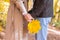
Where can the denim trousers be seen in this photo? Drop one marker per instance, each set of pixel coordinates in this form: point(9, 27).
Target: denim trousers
point(42, 34)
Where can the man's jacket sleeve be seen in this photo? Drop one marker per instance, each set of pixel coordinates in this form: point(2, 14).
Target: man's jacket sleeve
point(38, 7)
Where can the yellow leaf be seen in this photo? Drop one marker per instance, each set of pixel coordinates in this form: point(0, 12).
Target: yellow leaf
point(1, 29)
point(7, 1)
point(4, 6)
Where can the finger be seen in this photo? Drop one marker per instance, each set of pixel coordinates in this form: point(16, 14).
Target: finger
point(29, 20)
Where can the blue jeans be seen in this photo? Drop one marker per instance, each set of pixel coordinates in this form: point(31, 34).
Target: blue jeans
point(42, 34)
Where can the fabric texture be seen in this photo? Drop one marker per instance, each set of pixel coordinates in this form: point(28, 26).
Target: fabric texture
point(42, 8)
point(42, 34)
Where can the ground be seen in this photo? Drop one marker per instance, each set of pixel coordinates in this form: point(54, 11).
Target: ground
point(53, 34)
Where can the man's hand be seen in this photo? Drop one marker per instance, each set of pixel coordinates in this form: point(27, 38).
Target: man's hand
point(28, 17)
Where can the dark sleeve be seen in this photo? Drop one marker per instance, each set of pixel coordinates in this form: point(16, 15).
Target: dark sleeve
point(38, 7)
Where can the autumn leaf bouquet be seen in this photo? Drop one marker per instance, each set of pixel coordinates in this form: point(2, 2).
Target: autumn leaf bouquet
point(34, 26)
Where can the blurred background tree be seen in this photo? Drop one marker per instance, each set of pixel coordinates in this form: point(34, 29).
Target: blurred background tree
point(56, 19)
point(4, 4)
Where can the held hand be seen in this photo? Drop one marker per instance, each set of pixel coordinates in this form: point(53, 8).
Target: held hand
point(28, 17)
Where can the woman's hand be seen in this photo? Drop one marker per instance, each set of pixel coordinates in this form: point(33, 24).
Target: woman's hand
point(28, 17)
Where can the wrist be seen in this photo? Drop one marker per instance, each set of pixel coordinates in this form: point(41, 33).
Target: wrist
point(24, 13)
